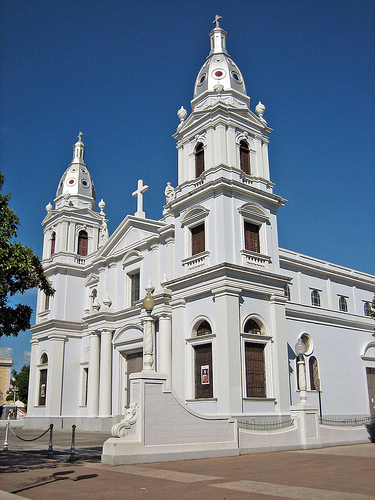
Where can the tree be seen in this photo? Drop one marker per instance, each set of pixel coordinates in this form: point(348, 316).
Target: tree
point(22, 384)
point(372, 308)
point(20, 270)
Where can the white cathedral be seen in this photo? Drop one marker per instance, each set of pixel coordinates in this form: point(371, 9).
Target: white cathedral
point(238, 345)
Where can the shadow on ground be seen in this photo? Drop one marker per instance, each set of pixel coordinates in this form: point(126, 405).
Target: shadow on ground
point(21, 461)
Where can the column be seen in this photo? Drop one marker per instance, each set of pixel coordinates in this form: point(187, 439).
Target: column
point(93, 376)
point(55, 375)
point(105, 386)
point(280, 361)
point(148, 344)
point(34, 378)
point(165, 347)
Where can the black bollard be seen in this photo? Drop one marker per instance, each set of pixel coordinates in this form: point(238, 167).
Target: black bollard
point(50, 447)
point(73, 446)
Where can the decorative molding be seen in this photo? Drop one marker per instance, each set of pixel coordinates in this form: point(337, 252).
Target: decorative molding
point(131, 416)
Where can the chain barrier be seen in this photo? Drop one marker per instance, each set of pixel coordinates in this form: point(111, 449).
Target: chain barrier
point(33, 439)
point(72, 456)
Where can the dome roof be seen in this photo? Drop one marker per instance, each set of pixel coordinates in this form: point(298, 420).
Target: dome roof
point(219, 69)
point(77, 179)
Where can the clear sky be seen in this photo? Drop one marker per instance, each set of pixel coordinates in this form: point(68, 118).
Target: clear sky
point(119, 70)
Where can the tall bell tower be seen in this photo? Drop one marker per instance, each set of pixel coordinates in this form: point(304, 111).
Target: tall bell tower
point(223, 169)
point(73, 232)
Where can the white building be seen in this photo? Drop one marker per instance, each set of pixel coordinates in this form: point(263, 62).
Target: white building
point(230, 304)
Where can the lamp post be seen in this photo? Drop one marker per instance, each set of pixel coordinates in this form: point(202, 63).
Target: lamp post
point(300, 349)
point(148, 341)
point(15, 389)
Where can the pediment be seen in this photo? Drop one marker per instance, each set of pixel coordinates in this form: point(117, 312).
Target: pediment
point(131, 233)
point(92, 279)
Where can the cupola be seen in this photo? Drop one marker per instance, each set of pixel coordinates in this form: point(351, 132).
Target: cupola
point(219, 71)
point(76, 181)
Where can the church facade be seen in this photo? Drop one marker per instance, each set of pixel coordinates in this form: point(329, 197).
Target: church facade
point(228, 304)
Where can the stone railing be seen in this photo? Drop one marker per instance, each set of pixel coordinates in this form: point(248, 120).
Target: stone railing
point(196, 261)
point(255, 259)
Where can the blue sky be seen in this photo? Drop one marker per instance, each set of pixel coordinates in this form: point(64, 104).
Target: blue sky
point(119, 71)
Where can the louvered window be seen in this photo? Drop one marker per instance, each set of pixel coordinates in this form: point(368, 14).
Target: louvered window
point(255, 370)
point(252, 237)
point(197, 239)
point(83, 240)
point(244, 157)
point(199, 159)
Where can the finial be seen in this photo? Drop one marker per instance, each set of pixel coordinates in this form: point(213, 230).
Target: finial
point(101, 205)
point(216, 20)
point(79, 137)
point(182, 113)
point(49, 207)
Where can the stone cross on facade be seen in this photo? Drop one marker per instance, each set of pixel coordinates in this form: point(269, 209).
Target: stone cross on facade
point(216, 20)
point(79, 136)
point(139, 194)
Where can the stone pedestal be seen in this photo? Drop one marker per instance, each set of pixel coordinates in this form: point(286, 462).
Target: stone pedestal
point(158, 427)
point(308, 424)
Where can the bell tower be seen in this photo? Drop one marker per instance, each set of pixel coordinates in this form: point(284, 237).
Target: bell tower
point(223, 169)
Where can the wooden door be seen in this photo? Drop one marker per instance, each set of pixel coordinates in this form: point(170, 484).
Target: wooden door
point(370, 372)
point(203, 371)
point(255, 370)
point(134, 364)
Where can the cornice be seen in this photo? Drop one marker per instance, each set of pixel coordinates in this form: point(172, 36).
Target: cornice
point(298, 261)
point(328, 317)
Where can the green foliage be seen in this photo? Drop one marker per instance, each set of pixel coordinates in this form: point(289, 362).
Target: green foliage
point(22, 384)
point(20, 270)
point(372, 308)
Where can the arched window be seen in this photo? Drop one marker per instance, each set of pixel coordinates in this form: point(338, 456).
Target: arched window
point(244, 157)
point(43, 379)
point(83, 240)
point(343, 304)
point(53, 241)
point(314, 373)
point(315, 298)
point(287, 291)
point(204, 329)
point(199, 159)
point(252, 326)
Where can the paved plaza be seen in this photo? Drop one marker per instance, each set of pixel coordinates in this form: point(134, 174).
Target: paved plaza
point(345, 473)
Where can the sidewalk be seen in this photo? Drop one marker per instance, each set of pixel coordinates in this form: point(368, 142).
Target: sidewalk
point(345, 473)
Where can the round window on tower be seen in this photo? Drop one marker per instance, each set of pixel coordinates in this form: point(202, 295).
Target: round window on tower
point(236, 77)
point(71, 182)
point(85, 183)
point(218, 73)
point(73, 169)
point(202, 79)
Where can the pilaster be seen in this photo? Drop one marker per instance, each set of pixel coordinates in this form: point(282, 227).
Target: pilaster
point(93, 376)
point(227, 369)
point(55, 374)
point(105, 389)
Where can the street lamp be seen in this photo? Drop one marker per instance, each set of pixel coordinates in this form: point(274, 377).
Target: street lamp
point(300, 349)
point(148, 341)
point(15, 389)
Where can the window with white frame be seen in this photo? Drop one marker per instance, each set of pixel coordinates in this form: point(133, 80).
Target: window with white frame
point(43, 370)
point(343, 304)
point(202, 360)
point(315, 298)
point(255, 345)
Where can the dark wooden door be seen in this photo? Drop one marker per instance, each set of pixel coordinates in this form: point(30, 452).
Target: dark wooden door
point(42, 387)
point(134, 364)
point(203, 371)
point(255, 374)
point(370, 372)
